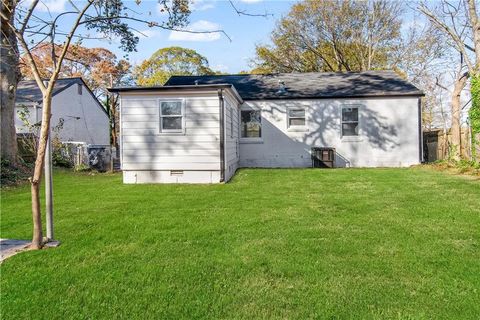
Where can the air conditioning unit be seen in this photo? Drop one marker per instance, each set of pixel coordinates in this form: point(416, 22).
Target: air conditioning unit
point(323, 157)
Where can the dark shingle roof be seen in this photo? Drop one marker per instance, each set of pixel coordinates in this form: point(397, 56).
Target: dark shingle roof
point(309, 85)
point(28, 91)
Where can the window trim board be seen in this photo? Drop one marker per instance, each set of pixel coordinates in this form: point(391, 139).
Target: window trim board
point(297, 127)
point(359, 121)
point(182, 115)
point(250, 139)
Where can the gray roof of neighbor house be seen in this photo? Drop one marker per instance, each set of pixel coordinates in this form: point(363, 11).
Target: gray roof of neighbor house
point(28, 91)
point(308, 85)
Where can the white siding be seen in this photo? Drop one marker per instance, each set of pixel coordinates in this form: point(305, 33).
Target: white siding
point(149, 155)
point(389, 135)
point(93, 125)
point(232, 148)
point(166, 176)
point(34, 116)
point(84, 118)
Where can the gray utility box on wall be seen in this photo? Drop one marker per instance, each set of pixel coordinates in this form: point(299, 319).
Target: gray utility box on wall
point(323, 157)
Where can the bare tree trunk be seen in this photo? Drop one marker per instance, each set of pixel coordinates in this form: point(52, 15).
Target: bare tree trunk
point(37, 240)
point(456, 142)
point(472, 12)
point(9, 79)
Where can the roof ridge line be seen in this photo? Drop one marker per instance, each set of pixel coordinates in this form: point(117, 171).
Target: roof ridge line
point(286, 73)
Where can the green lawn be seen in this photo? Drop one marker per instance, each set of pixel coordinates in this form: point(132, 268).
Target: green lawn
point(326, 244)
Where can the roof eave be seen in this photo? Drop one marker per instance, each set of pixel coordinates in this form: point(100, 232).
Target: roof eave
point(200, 87)
point(395, 95)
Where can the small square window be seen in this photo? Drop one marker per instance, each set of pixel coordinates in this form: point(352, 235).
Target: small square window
point(296, 117)
point(171, 116)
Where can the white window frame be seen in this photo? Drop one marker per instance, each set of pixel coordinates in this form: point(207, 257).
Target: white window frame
point(297, 127)
point(171, 131)
point(250, 139)
point(359, 121)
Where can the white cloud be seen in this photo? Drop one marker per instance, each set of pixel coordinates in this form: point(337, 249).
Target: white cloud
point(56, 6)
point(198, 26)
point(201, 5)
point(53, 6)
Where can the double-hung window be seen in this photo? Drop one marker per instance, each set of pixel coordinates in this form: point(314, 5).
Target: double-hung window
point(296, 118)
point(349, 121)
point(172, 116)
point(251, 123)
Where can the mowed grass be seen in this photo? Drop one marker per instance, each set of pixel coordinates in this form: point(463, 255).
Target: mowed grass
point(290, 244)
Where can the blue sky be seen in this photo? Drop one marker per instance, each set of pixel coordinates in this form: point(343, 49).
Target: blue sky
point(224, 55)
point(244, 31)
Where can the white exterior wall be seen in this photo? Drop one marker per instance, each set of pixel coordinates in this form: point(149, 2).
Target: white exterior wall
point(92, 126)
point(34, 116)
point(232, 134)
point(388, 134)
point(149, 155)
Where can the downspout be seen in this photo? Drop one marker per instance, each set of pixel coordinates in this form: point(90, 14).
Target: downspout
point(222, 135)
point(420, 133)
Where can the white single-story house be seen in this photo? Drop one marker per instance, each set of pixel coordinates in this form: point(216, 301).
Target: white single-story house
point(77, 114)
point(200, 129)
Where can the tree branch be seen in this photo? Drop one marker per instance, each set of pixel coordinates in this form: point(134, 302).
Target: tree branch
point(244, 13)
point(67, 45)
point(30, 60)
point(472, 11)
point(28, 15)
point(440, 24)
point(152, 24)
point(33, 33)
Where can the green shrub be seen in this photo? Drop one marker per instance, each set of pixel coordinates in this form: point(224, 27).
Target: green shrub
point(82, 168)
point(60, 157)
point(474, 113)
point(468, 164)
point(462, 166)
point(11, 175)
point(59, 160)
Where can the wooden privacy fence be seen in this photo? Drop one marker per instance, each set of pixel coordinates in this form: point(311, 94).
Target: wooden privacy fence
point(436, 145)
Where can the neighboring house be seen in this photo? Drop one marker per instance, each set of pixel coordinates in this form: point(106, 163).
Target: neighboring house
point(200, 129)
point(73, 104)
